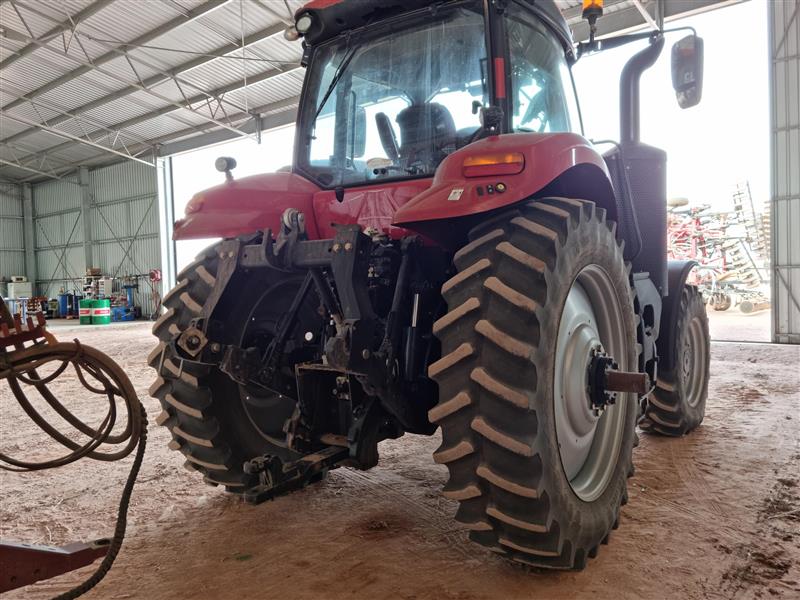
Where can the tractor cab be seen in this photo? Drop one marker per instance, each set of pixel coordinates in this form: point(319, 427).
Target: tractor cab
point(391, 92)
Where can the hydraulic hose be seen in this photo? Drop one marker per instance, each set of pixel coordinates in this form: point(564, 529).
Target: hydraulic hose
point(100, 375)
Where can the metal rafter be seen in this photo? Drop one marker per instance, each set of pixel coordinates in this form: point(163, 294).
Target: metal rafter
point(121, 51)
point(267, 122)
point(31, 158)
point(645, 15)
point(76, 138)
point(62, 27)
point(109, 56)
point(162, 78)
point(212, 137)
point(18, 165)
point(217, 93)
point(97, 127)
point(622, 17)
point(137, 86)
point(256, 116)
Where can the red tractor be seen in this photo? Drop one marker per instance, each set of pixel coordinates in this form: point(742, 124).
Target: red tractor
point(446, 250)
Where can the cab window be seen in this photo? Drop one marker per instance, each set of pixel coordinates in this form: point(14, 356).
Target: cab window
point(395, 104)
point(543, 95)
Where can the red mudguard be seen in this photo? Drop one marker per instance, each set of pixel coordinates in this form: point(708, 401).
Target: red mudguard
point(547, 155)
point(247, 205)
point(255, 203)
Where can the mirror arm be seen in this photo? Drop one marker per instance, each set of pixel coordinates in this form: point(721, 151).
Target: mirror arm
point(614, 42)
point(684, 28)
point(621, 40)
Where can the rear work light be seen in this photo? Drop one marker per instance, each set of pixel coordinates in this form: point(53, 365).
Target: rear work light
point(482, 165)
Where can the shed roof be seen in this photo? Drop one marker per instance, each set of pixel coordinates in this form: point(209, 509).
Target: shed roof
point(88, 82)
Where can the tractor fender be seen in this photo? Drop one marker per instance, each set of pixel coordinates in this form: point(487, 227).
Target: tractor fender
point(563, 164)
point(677, 273)
point(246, 205)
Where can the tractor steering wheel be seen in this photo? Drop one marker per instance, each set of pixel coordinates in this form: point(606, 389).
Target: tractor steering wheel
point(388, 137)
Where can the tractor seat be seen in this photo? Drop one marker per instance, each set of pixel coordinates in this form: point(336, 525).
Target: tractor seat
point(465, 134)
point(427, 135)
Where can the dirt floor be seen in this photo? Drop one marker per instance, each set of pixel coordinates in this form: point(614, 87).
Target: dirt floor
point(713, 515)
point(735, 326)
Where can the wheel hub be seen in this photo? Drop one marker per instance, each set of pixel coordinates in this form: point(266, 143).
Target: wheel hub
point(687, 358)
point(599, 394)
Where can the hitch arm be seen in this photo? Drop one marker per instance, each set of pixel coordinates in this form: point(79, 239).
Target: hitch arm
point(277, 478)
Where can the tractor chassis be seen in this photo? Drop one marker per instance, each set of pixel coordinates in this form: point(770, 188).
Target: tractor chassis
point(369, 402)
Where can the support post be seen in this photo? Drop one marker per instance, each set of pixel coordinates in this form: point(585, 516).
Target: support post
point(28, 235)
point(86, 216)
point(166, 219)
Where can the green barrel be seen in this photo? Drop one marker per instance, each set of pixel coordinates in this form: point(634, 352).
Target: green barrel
point(101, 312)
point(85, 312)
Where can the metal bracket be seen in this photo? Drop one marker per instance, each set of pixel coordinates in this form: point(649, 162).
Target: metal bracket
point(228, 261)
point(24, 564)
point(29, 332)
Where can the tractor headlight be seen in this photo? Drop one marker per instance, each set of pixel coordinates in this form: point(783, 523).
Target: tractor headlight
point(304, 23)
point(225, 163)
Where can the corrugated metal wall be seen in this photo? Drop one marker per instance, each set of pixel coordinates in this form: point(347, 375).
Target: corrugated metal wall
point(124, 221)
point(58, 234)
point(123, 234)
point(784, 26)
point(12, 243)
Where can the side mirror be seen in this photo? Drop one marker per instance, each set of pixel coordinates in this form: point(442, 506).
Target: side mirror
point(359, 142)
point(687, 70)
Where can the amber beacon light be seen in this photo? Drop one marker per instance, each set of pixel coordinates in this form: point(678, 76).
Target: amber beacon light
point(592, 10)
point(592, 7)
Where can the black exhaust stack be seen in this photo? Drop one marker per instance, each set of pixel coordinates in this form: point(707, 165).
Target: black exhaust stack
point(629, 100)
point(638, 172)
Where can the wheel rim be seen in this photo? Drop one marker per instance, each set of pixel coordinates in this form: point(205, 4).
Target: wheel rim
point(694, 364)
point(588, 444)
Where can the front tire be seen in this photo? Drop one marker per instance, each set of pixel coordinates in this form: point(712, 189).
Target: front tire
point(503, 371)
point(678, 403)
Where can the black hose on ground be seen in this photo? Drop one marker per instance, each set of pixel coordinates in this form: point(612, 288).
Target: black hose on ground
point(19, 367)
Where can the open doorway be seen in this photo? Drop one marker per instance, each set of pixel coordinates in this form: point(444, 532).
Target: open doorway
point(718, 159)
point(194, 172)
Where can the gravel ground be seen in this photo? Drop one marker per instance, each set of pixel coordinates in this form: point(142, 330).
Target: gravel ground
point(715, 514)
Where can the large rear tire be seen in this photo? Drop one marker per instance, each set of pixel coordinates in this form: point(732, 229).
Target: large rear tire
point(215, 423)
point(537, 478)
point(678, 403)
